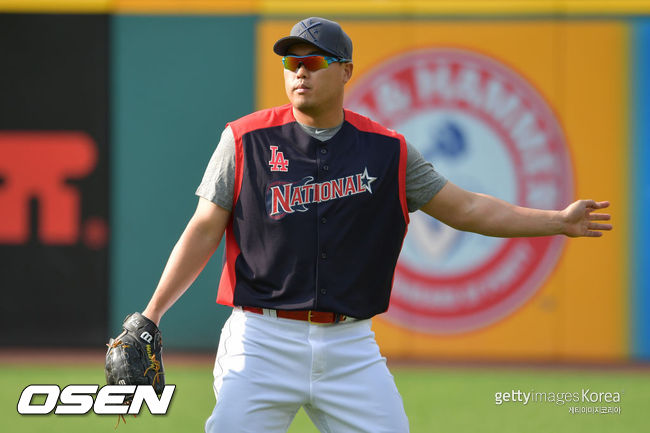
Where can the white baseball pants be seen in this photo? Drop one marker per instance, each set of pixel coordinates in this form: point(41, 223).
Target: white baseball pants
point(267, 368)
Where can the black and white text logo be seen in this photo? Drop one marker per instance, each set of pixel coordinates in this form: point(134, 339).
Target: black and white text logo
point(109, 400)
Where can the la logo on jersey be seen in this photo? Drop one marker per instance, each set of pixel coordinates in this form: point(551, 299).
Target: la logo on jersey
point(277, 162)
point(487, 129)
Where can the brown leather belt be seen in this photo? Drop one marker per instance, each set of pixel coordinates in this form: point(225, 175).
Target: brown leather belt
point(320, 317)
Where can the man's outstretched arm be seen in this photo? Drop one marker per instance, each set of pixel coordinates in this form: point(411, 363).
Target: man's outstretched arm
point(192, 251)
point(489, 216)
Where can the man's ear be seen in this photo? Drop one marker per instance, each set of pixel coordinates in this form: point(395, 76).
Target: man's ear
point(347, 71)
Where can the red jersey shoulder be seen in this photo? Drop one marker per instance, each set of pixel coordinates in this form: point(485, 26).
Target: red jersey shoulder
point(366, 124)
point(266, 118)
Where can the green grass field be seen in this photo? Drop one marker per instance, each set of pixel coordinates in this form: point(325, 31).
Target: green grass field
point(437, 399)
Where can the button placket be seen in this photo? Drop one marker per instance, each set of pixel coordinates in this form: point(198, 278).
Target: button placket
point(322, 255)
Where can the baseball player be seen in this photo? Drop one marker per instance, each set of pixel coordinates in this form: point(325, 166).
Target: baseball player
point(314, 200)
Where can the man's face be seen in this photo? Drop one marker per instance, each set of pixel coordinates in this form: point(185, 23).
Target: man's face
point(313, 92)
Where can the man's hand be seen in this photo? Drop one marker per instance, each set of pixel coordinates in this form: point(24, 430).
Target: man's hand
point(579, 219)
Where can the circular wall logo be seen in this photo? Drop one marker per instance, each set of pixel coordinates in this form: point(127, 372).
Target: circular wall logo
point(489, 131)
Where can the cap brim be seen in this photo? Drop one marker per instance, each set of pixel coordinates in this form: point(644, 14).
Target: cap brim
point(282, 45)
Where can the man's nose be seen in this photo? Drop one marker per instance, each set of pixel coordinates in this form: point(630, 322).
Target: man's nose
point(302, 71)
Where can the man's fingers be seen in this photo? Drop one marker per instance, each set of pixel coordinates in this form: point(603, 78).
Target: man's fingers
point(592, 204)
point(597, 226)
point(599, 217)
point(591, 234)
point(603, 204)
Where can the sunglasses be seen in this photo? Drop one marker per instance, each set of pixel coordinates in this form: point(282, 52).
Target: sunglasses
point(313, 62)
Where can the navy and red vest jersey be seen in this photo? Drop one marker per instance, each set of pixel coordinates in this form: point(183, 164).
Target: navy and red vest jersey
point(314, 225)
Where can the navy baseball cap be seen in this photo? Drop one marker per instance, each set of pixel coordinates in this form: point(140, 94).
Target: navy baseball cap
point(324, 34)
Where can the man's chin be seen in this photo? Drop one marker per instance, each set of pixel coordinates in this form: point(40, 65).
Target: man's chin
point(303, 105)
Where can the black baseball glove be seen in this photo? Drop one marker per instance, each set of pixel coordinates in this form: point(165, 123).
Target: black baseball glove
point(135, 356)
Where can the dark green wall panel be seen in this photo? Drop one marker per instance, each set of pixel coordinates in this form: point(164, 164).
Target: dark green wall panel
point(176, 81)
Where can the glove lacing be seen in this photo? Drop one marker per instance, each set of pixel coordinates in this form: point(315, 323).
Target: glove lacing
point(116, 343)
point(155, 366)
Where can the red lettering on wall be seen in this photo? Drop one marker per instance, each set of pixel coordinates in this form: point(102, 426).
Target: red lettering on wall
point(37, 165)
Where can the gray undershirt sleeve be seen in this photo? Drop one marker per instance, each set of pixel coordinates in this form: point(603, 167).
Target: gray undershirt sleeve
point(218, 184)
point(422, 180)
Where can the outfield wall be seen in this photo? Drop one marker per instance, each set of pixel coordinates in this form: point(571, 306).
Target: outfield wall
point(538, 104)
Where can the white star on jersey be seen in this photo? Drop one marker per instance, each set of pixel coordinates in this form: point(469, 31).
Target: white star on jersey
point(366, 180)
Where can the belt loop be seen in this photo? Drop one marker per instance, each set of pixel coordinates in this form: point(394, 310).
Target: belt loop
point(309, 317)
